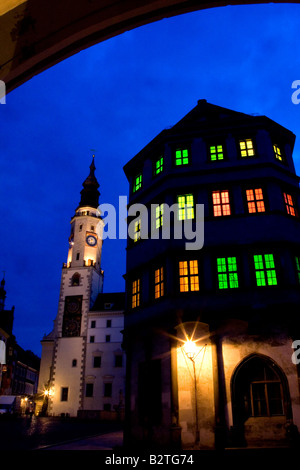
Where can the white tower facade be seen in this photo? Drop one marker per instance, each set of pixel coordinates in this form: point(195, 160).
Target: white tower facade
point(62, 372)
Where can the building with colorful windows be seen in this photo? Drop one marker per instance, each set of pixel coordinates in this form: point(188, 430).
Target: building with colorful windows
point(82, 370)
point(210, 328)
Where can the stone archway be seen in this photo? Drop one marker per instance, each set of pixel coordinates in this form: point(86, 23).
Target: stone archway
point(34, 37)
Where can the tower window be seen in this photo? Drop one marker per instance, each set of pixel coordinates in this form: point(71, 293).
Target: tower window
point(188, 276)
point(216, 152)
point(159, 166)
point(135, 299)
point(92, 339)
point(246, 148)
point(289, 204)
point(80, 227)
point(108, 389)
point(107, 338)
point(118, 360)
point(159, 283)
point(92, 228)
point(227, 273)
point(137, 182)
point(265, 272)
point(64, 394)
point(77, 256)
point(108, 323)
point(185, 207)
point(137, 230)
point(255, 200)
point(74, 363)
point(89, 390)
point(221, 203)
point(159, 215)
point(93, 324)
point(181, 157)
point(277, 153)
point(75, 278)
point(97, 361)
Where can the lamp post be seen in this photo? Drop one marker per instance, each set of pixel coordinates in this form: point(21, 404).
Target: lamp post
point(191, 351)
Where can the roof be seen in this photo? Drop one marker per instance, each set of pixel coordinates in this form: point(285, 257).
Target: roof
point(114, 301)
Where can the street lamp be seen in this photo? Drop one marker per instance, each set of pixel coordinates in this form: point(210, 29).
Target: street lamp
point(191, 351)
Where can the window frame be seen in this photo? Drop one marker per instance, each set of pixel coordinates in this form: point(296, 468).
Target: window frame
point(158, 166)
point(136, 293)
point(246, 149)
point(182, 157)
point(221, 204)
point(213, 145)
point(255, 201)
point(265, 270)
point(159, 282)
point(288, 206)
point(137, 182)
point(227, 272)
point(187, 209)
point(186, 275)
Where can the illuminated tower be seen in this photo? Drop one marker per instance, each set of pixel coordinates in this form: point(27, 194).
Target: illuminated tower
point(81, 282)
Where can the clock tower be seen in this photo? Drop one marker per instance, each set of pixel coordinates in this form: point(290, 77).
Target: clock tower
point(81, 282)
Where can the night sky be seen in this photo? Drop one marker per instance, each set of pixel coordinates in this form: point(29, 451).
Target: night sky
point(114, 98)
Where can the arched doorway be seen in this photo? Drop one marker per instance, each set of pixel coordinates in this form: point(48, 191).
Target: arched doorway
point(261, 405)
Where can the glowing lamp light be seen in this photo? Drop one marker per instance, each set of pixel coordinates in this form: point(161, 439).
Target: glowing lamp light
point(190, 349)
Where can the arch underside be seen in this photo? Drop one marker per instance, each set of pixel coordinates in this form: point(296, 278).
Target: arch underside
point(35, 35)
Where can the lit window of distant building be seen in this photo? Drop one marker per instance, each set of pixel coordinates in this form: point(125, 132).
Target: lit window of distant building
point(255, 200)
point(221, 203)
point(265, 272)
point(135, 298)
point(216, 152)
point(137, 184)
point(227, 273)
point(181, 157)
point(159, 166)
point(159, 283)
point(185, 207)
point(289, 204)
point(188, 276)
point(246, 148)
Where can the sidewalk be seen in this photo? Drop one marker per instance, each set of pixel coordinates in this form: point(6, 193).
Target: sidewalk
point(104, 442)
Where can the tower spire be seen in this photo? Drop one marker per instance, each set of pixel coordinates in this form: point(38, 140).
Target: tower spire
point(89, 193)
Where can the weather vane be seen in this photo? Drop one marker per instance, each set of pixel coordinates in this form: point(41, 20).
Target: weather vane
point(93, 150)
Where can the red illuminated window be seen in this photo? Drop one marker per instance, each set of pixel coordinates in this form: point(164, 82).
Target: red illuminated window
point(221, 203)
point(289, 204)
point(255, 200)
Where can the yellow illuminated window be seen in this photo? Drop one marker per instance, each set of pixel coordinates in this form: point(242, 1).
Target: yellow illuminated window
point(137, 230)
point(289, 204)
point(221, 203)
point(135, 299)
point(216, 152)
point(159, 283)
point(188, 276)
point(277, 153)
point(185, 206)
point(246, 148)
point(255, 200)
point(159, 216)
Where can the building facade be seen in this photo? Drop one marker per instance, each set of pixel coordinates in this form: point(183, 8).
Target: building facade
point(78, 374)
point(210, 323)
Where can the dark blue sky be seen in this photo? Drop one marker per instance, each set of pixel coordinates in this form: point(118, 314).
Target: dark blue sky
point(115, 97)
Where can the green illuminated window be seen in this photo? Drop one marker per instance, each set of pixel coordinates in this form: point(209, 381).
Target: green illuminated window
point(137, 184)
point(159, 165)
point(181, 157)
point(216, 152)
point(185, 207)
point(265, 270)
point(227, 273)
point(297, 259)
point(159, 216)
point(246, 148)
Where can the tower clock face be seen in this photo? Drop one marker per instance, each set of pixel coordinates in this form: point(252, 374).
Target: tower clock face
point(91, 240)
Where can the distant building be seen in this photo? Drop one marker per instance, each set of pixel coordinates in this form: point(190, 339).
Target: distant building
point(83, 364)
point(209, 332)
point(19, 369)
